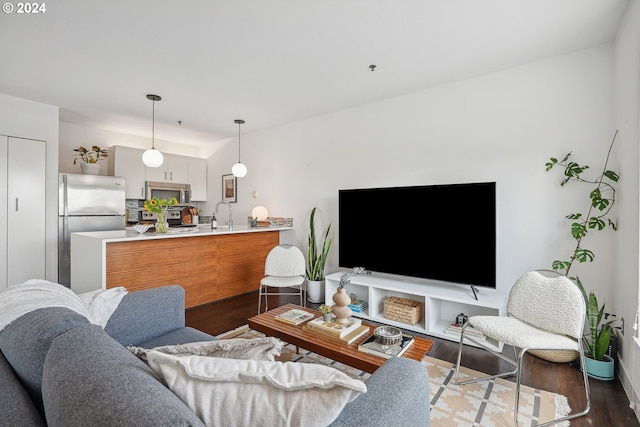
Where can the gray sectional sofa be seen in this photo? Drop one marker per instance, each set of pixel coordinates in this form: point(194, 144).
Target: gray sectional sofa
point(58, 369)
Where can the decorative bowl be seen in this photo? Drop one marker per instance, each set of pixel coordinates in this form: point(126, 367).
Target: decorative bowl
point(387, 335)
point(141, 228)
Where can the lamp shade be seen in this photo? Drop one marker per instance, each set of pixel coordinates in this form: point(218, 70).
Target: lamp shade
point(260, 213)
point(239, 170)
point(152, 158)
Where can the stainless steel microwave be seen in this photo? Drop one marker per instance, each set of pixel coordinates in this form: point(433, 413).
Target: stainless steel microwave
point(167, 190)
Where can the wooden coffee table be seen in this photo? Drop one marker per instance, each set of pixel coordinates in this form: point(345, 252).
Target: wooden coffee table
point(341, 352)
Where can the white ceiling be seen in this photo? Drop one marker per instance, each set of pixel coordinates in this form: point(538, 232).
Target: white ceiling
point(271, 62)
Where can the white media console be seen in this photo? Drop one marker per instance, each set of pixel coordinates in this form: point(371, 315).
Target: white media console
point(441, 302)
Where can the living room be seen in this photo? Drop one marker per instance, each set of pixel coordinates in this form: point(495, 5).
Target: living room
point(496, 124)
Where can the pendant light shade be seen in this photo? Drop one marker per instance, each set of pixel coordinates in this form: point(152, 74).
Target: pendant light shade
point(239, 170)
point(152, 157)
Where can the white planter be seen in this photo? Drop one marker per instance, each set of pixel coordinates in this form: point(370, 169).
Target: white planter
point(90, 168)
point(315, 291)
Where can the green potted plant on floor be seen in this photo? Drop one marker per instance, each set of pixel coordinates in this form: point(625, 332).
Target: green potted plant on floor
point(596, 218)
point(316, 260)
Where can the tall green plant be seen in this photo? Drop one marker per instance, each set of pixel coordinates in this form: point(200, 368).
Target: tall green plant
point(316, 259)
point(599, 334)
point(602, 198)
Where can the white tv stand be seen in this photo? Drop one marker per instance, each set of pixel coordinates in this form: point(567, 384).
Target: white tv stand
point(441, 302)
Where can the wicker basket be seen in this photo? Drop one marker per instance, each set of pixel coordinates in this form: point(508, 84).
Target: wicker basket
point(403, 310)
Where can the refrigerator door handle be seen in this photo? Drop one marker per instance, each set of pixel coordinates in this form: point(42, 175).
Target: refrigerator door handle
point(65, 235)
point(17, 207)
point(65, 205)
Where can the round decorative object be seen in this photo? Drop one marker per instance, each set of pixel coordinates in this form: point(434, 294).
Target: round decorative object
point(387, 335)
point(152, 158)
point(341, 308)
point(90, 168)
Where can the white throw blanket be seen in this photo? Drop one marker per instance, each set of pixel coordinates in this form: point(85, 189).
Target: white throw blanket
point(18, 300)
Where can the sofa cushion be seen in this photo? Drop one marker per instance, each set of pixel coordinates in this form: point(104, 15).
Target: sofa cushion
point(90, 379)
point(266, 348)
point(16, 407)
point(248, 392)
point(26, 341)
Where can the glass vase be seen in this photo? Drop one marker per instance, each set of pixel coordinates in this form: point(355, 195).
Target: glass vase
point(162, 225)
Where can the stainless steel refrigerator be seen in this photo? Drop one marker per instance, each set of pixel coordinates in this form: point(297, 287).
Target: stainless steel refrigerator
point(86, 203)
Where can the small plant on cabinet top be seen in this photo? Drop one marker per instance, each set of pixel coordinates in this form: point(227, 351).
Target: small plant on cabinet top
point(90, 155)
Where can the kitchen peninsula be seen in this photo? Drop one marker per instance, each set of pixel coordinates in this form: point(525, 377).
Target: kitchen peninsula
point(209, 264)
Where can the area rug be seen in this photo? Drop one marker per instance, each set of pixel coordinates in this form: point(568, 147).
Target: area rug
point(484, 404)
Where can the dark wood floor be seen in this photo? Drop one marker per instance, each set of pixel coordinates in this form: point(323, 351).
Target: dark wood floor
point(609, 403)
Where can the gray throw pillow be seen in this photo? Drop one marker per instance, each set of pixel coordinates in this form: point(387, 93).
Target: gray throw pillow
point(26, 341)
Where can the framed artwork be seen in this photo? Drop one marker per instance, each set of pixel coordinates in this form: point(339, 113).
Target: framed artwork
point(229, 188)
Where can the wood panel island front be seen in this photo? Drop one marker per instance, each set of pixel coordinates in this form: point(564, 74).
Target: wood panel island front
point(210, 265)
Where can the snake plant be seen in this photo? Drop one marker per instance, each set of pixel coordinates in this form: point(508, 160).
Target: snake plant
point(316, 259)
point(600, 334)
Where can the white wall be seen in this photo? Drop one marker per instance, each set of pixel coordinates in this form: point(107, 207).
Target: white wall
point(627, 108)
point(502, 127)
point(34, 120)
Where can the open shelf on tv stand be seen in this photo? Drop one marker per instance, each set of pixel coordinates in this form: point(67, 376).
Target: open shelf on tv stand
point(441, 303)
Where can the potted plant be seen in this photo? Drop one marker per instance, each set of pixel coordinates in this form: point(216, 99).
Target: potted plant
point(326, 312)
point(596, 218)
point(89, 158)
point(316, 259)
point(598, 364)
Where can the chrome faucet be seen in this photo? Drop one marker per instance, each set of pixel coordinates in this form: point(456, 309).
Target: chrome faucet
point(229, 213)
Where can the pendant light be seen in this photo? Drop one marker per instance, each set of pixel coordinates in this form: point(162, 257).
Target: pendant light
point(152, 157)
point(239, 169)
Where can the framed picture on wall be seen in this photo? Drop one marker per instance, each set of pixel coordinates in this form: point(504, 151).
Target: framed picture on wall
point(229, 188)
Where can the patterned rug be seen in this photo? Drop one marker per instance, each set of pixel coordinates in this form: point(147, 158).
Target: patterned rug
point(484, 404)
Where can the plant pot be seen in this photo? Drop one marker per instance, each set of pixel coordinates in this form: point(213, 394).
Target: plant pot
point(327, 317)
point(90, 168)
point(600, 369)
point(315, 291)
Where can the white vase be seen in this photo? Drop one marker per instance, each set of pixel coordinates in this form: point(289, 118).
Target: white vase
point(90, 168)
point(315, 291)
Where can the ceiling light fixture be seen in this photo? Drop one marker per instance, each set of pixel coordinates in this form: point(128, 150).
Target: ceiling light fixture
point(152, 157)
point(239, 169)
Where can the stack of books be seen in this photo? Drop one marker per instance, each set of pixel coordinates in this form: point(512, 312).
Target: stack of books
point(294, 316)
point(343, 332)
point(358, 306)
point(470, 331)
point(372, 347)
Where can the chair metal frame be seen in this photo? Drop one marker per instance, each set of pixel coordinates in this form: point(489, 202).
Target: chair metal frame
point(264, 288)
point(517, 361)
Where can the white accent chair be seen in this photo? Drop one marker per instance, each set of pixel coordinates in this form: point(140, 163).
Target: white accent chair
point(283, 268)
point(543, 313)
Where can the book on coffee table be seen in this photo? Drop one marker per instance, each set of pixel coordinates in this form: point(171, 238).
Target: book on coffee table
point(347, 339)
point(294, 316)
point(372, 347)
point(334, 328)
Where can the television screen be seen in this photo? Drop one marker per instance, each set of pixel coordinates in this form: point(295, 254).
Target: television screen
point(438, 232)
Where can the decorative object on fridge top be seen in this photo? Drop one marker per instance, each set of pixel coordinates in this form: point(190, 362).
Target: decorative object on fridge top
point(160, 206)
point(89, 155)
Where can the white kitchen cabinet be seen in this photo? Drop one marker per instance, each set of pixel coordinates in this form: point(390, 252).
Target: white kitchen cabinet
point(22, 216)
point(127, 162)
point(198, 179)
point(174, 169)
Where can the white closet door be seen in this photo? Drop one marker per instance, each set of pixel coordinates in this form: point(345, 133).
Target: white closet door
point(25, 210)
point(4, 145)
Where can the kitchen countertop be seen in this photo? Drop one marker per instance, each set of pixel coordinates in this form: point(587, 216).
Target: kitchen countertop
point(129, 234)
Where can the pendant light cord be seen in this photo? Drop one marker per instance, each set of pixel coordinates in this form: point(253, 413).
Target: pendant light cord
point(239, 124)
point(153, 126)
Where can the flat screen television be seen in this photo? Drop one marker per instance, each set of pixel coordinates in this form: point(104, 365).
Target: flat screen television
point(438, 232)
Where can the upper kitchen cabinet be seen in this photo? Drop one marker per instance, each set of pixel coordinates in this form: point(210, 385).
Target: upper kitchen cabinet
point(127, 162)
point(173, 169)
point(198, 179)
point(22, 215)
